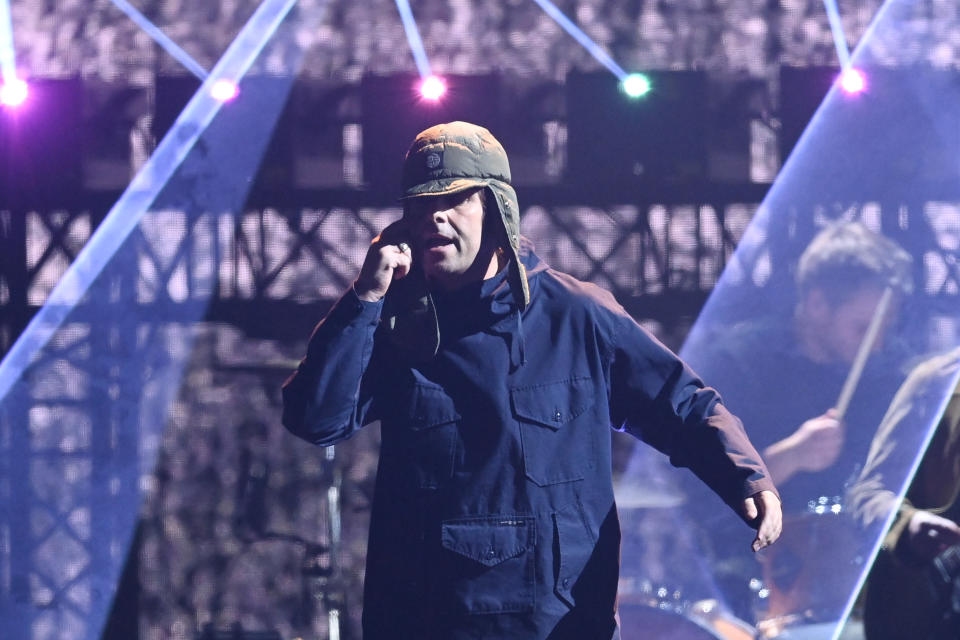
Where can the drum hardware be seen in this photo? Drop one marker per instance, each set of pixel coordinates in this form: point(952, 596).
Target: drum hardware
point(775, 627)
point(808, 574)
point(647, 593)
point(320, 570)
point(648, 610)
point(824, 505)
point(761, 594)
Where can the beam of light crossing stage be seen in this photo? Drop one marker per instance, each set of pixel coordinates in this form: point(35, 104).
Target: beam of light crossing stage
point(815, 119)
point(839, 39)
point(578, 34)
point(878, 543)
point(8, 66)
point(209, 184)
point(413, 37)
point(162, 39)
point(126, 214)
point(851, 80)
point(801, 174)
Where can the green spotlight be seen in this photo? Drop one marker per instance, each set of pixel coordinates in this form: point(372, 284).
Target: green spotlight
point(636, 85)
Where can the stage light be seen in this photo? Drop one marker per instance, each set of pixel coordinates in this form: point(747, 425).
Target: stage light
point(852, 80)
point(617, 144)
point(13, 93)
point(224, 90)
point(636, 85)
point(393, 110)
point(40, 143)
point(432, 88)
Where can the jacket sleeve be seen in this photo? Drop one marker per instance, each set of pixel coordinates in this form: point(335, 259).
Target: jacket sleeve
point(656, 397)
point(329, 396)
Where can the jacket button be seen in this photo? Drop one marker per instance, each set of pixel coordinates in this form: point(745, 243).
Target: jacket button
point(491, 552)
point(558, 416)
point(565, 583)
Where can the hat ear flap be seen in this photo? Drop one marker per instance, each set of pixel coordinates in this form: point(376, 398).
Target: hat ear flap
point(509, 209)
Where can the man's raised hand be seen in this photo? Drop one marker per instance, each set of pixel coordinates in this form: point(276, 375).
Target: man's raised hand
point(384, 262)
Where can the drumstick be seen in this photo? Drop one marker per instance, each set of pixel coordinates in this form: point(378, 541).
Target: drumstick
point(866, 346)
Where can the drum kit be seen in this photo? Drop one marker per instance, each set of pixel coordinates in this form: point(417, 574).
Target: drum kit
point(661, 613)
point(658, 605)
point(791, 589)
point(804, 581)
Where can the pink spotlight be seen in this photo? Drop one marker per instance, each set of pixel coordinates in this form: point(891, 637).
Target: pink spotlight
point(433, 88)
point(13, 93)
point(853, 81)
point(224, 90)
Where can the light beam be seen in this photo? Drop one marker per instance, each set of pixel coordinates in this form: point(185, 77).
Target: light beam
point(126, 214)
point(162, 39)
point(8, 67)
point(836, 28)
point(812, 166)
point(413, 37)
point(578, 34)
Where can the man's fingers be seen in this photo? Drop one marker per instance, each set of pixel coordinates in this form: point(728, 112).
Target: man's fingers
point(383, 263)
point(750, 509)
point(402, 264)
point(767, 534)
point(771, 519)
point(402, 259)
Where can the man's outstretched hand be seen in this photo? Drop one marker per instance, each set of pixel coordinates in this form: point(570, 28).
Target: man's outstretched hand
point(762, 511)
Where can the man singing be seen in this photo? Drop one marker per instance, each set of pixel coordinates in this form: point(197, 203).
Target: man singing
point(495, 379)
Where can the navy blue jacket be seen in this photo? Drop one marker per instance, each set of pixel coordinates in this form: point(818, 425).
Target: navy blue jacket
point(494, 514)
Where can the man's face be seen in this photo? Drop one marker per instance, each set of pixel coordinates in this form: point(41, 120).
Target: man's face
point(841, 328)
point(449, 239)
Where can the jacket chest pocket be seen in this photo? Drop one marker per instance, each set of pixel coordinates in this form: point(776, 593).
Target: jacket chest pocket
point(555, 430)
point(488, 564)
point(432, 420)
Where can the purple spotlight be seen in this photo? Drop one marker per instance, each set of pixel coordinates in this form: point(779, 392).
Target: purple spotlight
point(224, 90)
point(13, 93)
point(433, 88)
point(852, 80)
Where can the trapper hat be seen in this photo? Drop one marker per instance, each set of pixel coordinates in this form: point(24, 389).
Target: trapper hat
point(443, 160)
point(456, 156)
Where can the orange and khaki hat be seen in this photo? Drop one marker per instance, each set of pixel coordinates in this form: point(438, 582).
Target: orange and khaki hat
point(456, 156)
